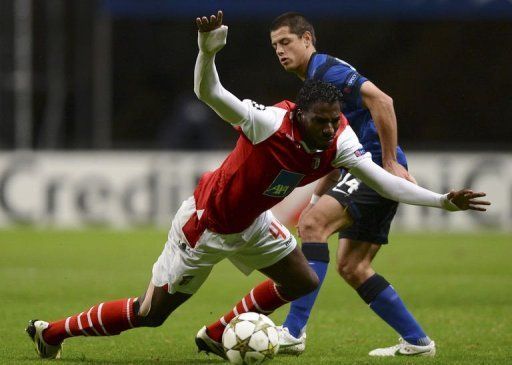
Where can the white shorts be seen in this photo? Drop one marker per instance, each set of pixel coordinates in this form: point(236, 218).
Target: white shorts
point(184, 268)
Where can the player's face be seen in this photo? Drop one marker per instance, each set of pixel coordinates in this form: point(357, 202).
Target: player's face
point(292, 51)
point(319, 124)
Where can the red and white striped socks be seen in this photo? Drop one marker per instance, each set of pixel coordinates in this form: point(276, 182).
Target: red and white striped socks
point(264, 298)
point(105, 319)
point(112, 318)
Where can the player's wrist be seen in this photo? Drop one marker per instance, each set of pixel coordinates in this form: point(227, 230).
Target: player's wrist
point(389, 160)
point(447, 204)
point(212, 42)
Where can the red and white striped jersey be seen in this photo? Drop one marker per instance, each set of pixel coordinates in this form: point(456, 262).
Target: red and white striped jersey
point(269, 161)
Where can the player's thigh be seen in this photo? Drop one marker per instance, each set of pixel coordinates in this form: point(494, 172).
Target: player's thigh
point(327, 216)
point(183, 267)
point(272, 250)
point(267, 242)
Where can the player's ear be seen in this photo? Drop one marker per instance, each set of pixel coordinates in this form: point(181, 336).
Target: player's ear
point(300, 115)
point(307, 38)
point(295, 115)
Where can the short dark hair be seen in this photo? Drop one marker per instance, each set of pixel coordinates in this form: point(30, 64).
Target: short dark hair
point(297, 23)
point(313, 91)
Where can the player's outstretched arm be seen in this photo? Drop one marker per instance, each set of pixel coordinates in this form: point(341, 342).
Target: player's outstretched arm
point(401, 190)
point(212, 37)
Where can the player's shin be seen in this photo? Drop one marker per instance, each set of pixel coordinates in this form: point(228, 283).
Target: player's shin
point(317, 255)
point(384, 300)
point(264, 298)
point(104, 319)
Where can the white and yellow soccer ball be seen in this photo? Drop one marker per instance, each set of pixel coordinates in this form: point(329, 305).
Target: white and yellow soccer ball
point(250, 339)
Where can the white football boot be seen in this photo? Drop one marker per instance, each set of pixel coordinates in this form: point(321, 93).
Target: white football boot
point(404, 348)
point(207, 344)
point(35, 330)
point(288, 344)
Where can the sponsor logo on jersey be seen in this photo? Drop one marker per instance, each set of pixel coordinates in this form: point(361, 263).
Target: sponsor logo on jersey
point(283, 184)
point(352, 80)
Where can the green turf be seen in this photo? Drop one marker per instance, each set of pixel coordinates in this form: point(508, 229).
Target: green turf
point(458, 286)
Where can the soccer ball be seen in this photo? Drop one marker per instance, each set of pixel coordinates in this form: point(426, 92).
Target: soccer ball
point(250, 339)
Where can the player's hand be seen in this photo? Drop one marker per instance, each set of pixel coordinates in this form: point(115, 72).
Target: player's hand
point(207, 25)
point(467, 199)
point(212, 34)
point(393, 167)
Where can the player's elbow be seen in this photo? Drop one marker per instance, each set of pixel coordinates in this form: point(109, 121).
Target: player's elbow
point(206, 95)
point(200, 88)
point(386, 101)
point(199, 92)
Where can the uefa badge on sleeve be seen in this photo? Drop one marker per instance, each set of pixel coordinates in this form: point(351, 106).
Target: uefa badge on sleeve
point(359, 152)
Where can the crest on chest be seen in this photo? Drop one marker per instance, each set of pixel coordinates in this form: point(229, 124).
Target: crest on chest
point(315, 162)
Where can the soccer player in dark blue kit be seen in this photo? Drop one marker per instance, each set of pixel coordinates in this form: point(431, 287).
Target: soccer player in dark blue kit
point(361, 215)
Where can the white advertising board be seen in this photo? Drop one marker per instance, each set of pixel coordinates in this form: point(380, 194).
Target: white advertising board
point(127, 189)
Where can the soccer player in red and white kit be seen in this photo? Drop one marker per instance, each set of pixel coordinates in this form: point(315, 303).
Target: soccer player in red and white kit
point(279, 148)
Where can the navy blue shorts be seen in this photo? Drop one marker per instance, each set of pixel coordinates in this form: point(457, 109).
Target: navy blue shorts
point(372, 214)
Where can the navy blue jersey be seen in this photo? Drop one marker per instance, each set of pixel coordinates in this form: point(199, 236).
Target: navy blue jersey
point(348, 81)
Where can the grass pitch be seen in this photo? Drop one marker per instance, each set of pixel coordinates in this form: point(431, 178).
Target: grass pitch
point(458, 286)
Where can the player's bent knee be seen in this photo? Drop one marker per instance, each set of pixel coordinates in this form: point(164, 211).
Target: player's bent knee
point(152, 320)
point(144, 306)
point(298, 288)
point(154, 317)
point(345, 268)
point(317, 226)
point(351, 272)
point(313, 284)
point(313, 228)
point(144, 302)
point(307, 286)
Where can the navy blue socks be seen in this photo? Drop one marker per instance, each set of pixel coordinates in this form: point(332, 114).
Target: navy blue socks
point(384, 300)
point(317, 255)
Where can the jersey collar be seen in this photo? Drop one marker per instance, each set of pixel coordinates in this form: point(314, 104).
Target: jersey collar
point(310, 63)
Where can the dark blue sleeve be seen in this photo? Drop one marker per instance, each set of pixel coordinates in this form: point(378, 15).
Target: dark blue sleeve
point(348, 81)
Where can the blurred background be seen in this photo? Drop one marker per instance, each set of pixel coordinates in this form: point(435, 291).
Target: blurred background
point(99, 123)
